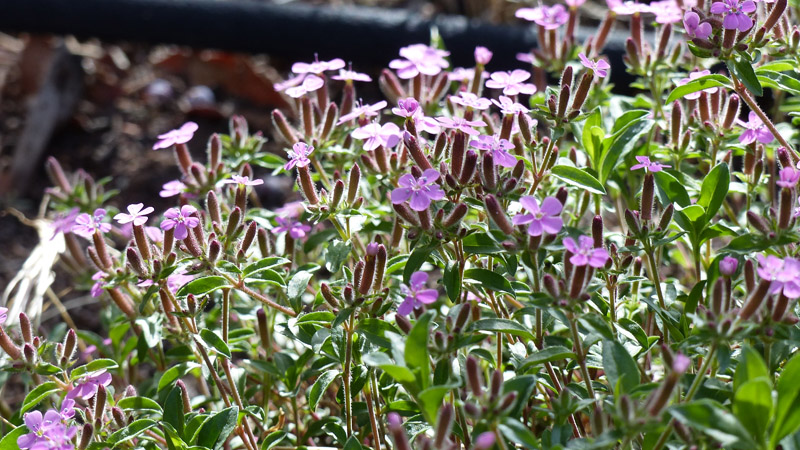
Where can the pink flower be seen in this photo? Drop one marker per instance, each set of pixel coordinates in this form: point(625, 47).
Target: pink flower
point(485, 440)
point(574, 3)
point(48, 432)
point(600, 67)
point(693, 76)
point(666, 11)
point(244, 181)
point(3, 315)
point(646, 164)
point(86, 225)
point(182, 135)
point(420, 59)
point(295, 229)
point(585, 253)
point(416, 294)
point(174, 281)
point(349, 75)
point(511, 82)
point(181, 220)
point(728, 265)
point(363, 111)
point(137, 214)
point(298, 156)
point(736, 17)
point(755, 130)
point(548, 17)
point(310, 84)
point(695, 29)
point(291, 82)
point(374, 135)
point(498, 148)
point(172, 188)
point(508, 106)
point(317, 67)
point(540, 219)
point(681, 363)
point(788, 177)
point(482, 55)
point(409, 108)
point(97, 287)
point(628, 7)
point(87, 386)
point(470, 100)
point(421, 192)
point(63, 222)
point(461, 124)
point(783, 273)
point(291, 209)
point(461, 74)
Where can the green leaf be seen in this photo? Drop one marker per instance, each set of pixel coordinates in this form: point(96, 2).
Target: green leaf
point(416, 352)
point(489, 280)
point(430, 401)
point(578, 177)
point(712, 419)
point(298, 285)
point(139, 404)
point(215, 431)
point(699, 84)
point(336, 255)
point(622, 142)
point(787, 412)
point(273, 439)
point(745, 73)
point(173, 410)
point(92, 367)
point(173, 373)
point(202, 286)
point(130, 432)
point(751, 366)
point(36, 396)
point(517, 433)
point(670, 190)
point(620, 368)
point(212, 340)
point(320, 386)
point(415, 261)
point(547, 354)
point(452, 280)
point(9, 441)
point(264, 263)
point(502, 326)
point(779, 81)
point(752, 404)
point(592, 141)
point(714, 189)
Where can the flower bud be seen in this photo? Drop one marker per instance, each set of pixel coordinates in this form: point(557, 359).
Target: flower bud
point(563, 100)
point(496, 384)
point(30, 354)
point(398, 434)
point(119, 416)
point(8, 346)
point(249, 235)
point(406, 213)
point(444, 424)
point(648, 189)
point(264, 242)
point(786, 209)
point(331, 114)
point(474, 377)
point(663, 40)
point(425, 219)
point(758, 222)
point(214, 249)
point(86, 436)
point(390, 86)
point(403, 323)
point(754, 301)
point(731, 112)
point(358, 272)
point(597, 231)
point(633, 223)
point(307, 185)
point(777, 11)
point(455, 215)
point(470, 167)
point(100, 402)
point(261, 318)
point(578, 281)
point(632, 53)
point(489, 176)
point(380, 267)
point(583, 91)
point(457, 154)
point(135, 263)
point(498, 216)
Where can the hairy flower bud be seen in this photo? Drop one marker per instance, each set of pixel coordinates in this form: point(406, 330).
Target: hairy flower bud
point(470, 167)
point(786, 209)
point(563, 101)
point(777, 11)
point(474, 377)
point(135, 263)
point(455, 215)
point(444, 424)
point(758, 222)
point(648, 190)
point(406, 213)
point(86, 436)
point(496, 213)
point(754, 301)
point(380, 267)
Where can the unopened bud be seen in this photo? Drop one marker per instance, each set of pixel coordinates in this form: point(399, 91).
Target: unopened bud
point(498, 216)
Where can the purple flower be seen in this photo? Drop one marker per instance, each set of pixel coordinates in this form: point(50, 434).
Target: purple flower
point(172, 188)
point(511, 82)
point(295, 229)
point(180, 219)
point(482, 55)
point(310, 84)
point(420, 191)
point(529, 58)
point(462, 74)
point(585, 253)
point(681, 363)
point(470, 100)
point(498, 148)
point(540, 219)
point(788, 177)
point(137, 214)
point(600, 67)
point(666, 11)
point(298, 156)
point(86, 387)
point(783, 273)
point(416, 294)
point(317, 67)
point(755, 130)
point(628, 7)
point(736, 17)
point(182, 135)
point(420, 59)
point(485, 441)
point(48, 432)
point(174, 281)
point(374, 135)
point(86, 225)
point(97, 287)
point(3, 315)
point(695, 29)
point(291, 209)
point(728, 265)
point(64, 222)
point(508, 106)
point(291, 82)
point(363, 111)
point(693, 76)
point(461, 124)
point(547, 17)
point(349, 75)
point(574, 3)
point(409, 108)
point(644, 163)
point(245, 181)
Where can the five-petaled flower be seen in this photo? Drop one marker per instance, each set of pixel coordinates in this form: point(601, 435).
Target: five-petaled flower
point(182, 135)
point(86, 225)
point(420, 59)
point(374, 135)
point(646, 164)
point(364, 111)
point(317, 67)
point(585, 253)
point(784, 274)
point(86, 387)
point(181, 220)
point(508, 106)
point(243, 180)
point(48, 431)
point(470, 100)
point(666, 11)
point(421, 192)
point(461, 124)
point(547, 17)
point(736, 17)
point(172, 188)
point(695, 29)
point(512, 83)
point(498, 148)
point(627, 8)
point(545, 218)
point(409, 108)
point(788, 177)
point(63, 222)
point(310, 84)
point(755, 130)
point(416, 294)
point(298, 156)
point(137, 214)
point(289, 225)
point(599, 67)
point(349, 76)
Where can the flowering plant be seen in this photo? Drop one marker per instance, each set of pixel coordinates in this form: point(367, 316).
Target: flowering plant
point(477, 261)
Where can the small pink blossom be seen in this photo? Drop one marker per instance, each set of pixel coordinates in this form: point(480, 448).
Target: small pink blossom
point(646, 164)
point(470, 100)
point(409, 108)
point(728, 265)
point(63, 222)
point(363, 111)
point(421, 192)
point(349, 75)
point(584, 253)
point(310, 84)
point(86, 225)
point(498, 148)
point(545, 218)
point(508, 106)
point(97, 287)
point(666, 11)
point(137, 214)
point(182, 135)
point(181, 220)
point(292, 210)
point(461, 124)
point(86, 387)
point(735, 13)
point(755, 130)
point(628, 7)
point(788, 177)
point(693, 27)
point(419, 59)
point(600, 66)
point(289, 225)
point(416, 294)
point(482, 55)
point(298, 156)
point(172, 188)
point(317, 67)
point(512, 83)
point(244, 181)
point(3, 315)
point(547, 17)
point(374, 135)
point(693, 76)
